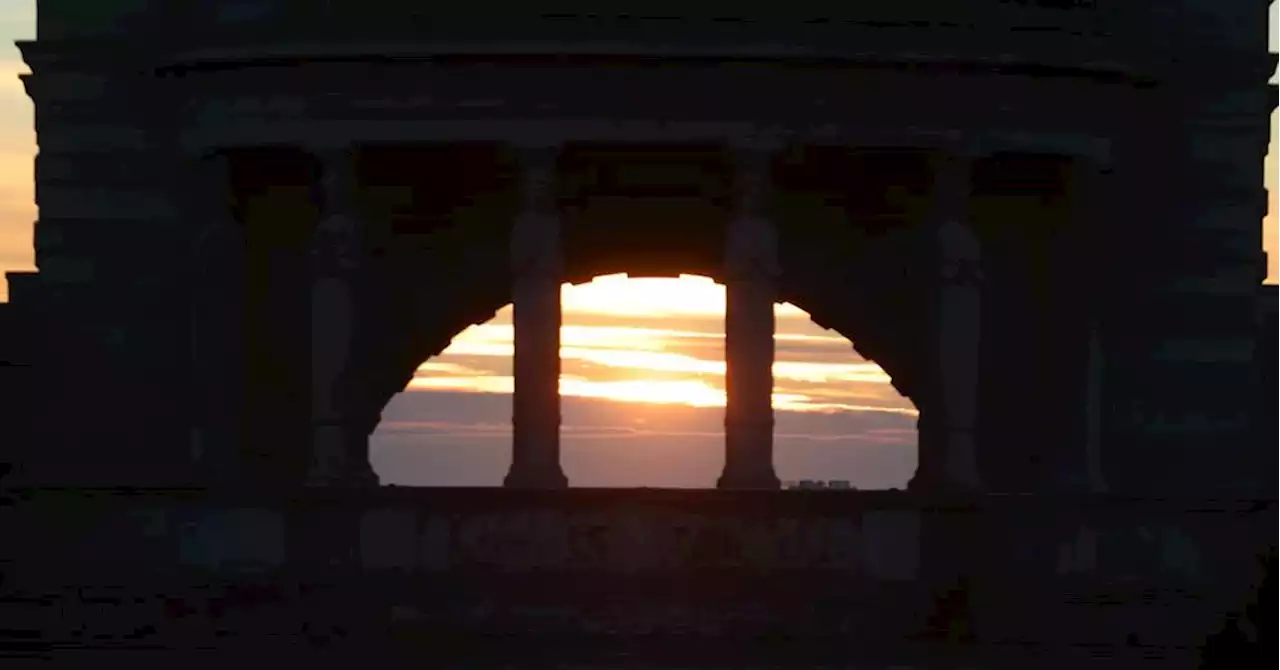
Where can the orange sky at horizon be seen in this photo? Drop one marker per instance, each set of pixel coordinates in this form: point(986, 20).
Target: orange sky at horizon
point(631, 360)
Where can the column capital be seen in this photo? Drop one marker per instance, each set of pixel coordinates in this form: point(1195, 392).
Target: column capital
point(953, 166)
point(213, 158)
point(960, 262)
point(337, 178)
point(537, 165)
point(1091, 164)
point(952, 185)
point(761, 143)
point(217, 237)
point(536, 246)
point(337, 243)
point(1087, 183)
point(752, 170)
point(963, 147)
point(751, 247)
point(330, 150)
point(534, 148)
point(210, 172)
point(959, 251)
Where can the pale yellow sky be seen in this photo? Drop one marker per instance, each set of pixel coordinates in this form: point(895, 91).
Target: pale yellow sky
point(17, 142)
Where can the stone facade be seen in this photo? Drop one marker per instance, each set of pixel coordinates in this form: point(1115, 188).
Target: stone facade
point(257, 218)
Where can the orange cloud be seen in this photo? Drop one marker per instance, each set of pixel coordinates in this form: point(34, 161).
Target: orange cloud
point(640, 363)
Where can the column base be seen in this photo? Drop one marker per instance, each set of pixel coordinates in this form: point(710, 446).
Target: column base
point(933, 481)
point(753, 481)
point(1077, 484)
point(216, 460)
point(748, 442)
point(947, 460)
point(935, 484)
point(961, 460)
point(334, 462)
point(529, 478)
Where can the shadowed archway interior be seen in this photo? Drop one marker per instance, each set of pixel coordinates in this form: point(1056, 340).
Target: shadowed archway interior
point(855, 253)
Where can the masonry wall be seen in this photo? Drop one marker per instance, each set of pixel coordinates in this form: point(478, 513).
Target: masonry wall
point(112, 250)
point(1178, 259)
point(1183, 262)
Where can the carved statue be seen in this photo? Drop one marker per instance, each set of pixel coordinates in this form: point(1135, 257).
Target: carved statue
point(219, 242)
point(337, 253)
point(337, 243)
point(336, 246)
point(960, 339)
point(218, 262)
point(960, 255)
point(536, 248)
point(751, 250)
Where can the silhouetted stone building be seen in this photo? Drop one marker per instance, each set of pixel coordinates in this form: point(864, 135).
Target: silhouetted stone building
point(256, 219)
point(185, 286)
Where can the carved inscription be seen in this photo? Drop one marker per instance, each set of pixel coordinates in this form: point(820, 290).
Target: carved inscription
point(629, 542)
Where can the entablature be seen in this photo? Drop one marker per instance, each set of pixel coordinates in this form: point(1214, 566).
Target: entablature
point(212, 137)
point(1113, 36)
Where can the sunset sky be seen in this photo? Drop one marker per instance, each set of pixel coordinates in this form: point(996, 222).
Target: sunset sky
point(643, 367)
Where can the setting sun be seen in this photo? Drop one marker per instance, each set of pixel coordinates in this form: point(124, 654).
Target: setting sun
point(664, 345)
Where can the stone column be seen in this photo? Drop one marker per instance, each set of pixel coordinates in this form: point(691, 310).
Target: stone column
point(751, 272)
point(1094, 481)
point(217, 325)
point(1079, 468)
point(959, 332)
point(339, 446)
point(537, 268)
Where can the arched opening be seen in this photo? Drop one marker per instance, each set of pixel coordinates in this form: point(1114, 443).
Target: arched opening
point(643, 396)
point(438, 227)
point(850, 252)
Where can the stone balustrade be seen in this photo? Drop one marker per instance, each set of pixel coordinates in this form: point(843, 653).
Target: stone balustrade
point(880, 535)
point(877, 566)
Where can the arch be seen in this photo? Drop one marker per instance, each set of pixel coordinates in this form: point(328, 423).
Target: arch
point(855, 251)
point(825, 288)
point(865, 282)
point(644, 361)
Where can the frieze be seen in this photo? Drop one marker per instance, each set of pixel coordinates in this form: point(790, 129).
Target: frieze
point(1222, 104)
point(1187, 424)
point(94, 138)
point(629, 542)
point(803, 98)
point(1235, 281)
point(1224, 246)
point(687, 22)
point(118, 169)
point(62, 202)
point(1216, 350)
point(1226, 151)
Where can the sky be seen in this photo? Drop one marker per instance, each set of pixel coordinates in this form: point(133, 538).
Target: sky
point(643, 367)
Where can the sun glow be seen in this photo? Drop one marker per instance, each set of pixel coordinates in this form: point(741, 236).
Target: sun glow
point(650, 297)
point(660, 341)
